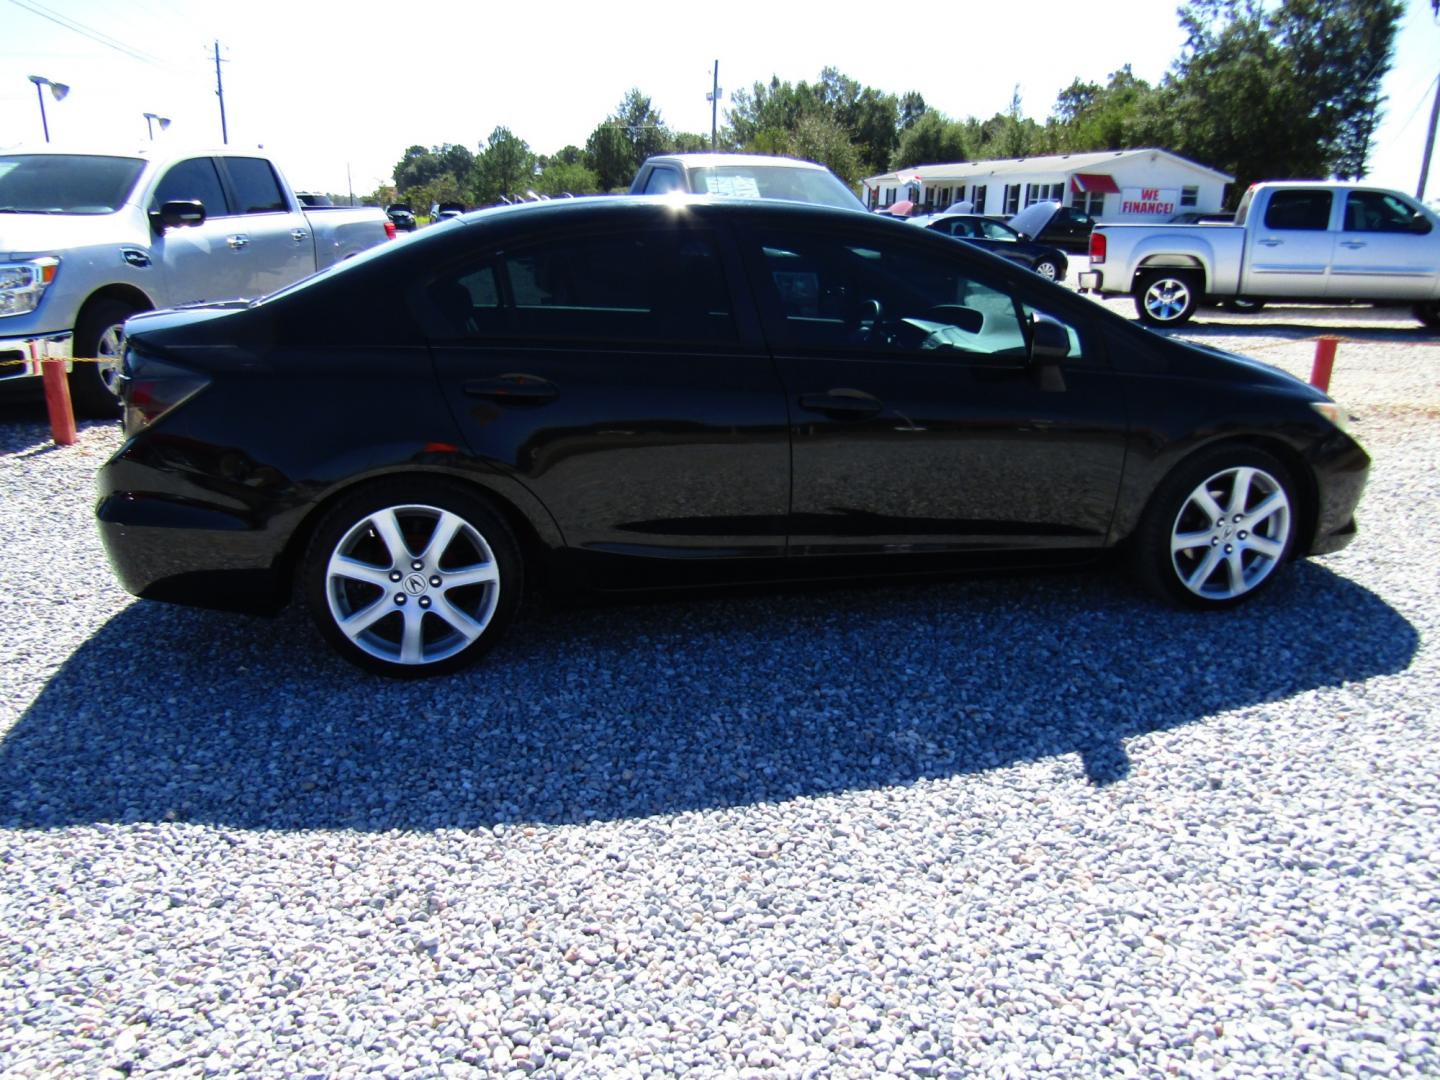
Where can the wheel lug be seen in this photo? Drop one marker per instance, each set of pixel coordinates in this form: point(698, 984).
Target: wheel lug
point(435, 582)
point(394, 575)
point(1238, 519)
point(1214, 540)
point(1229, 549)
point(1244, 535)
point(399, 599)
point(424, 601)
point(418, 565)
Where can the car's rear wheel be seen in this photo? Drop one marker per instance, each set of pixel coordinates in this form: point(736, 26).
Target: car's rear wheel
point(1049, 269)
point(1166, 297)
point(1219, 528)
point(99, 348)
point(412, 578)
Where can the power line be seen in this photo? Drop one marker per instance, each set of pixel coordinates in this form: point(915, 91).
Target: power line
point(94, 35)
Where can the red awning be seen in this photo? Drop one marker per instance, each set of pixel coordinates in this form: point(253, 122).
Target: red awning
point(1098, 182)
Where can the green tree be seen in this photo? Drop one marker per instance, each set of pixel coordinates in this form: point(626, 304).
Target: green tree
point(1279, 91)
point(1088, 116)
point(931, 139)
point(625, 138)
point(567, 178)
point(505, 167)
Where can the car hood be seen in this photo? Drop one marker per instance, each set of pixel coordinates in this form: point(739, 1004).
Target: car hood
point(1240, 368)
point(26, 235)
point(1032, 220)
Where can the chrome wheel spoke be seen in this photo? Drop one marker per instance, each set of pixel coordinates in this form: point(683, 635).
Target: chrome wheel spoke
point(412, 644)
point(1236, 567)
point(1240, 490)
point(461, 622)
point(445, 530)
point(1189, 541)
point(342, 566)
point(1196, 581)
point(387, 527)
point(1265, 546)
point(356, 624)
point(480, 574)
point(1266, 509)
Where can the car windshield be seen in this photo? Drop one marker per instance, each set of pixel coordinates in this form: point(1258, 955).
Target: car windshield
point(774, 182)
point(66, 183)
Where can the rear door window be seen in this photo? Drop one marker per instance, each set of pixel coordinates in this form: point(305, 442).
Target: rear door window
point(1301, 210)
point(256, 189)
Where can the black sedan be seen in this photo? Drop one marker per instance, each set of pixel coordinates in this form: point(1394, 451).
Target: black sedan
point(401, 216)
point(999, 239)
point(610, 394)
point(1056, 224)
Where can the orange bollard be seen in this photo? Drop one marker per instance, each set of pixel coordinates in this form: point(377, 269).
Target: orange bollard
point(1324, 363)
point(57, 402)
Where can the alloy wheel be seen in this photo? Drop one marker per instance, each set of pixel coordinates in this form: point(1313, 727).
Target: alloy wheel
point(1231, 533)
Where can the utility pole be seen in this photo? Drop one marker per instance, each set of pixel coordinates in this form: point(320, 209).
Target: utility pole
point(1429, 140)
point(714, 97)
point(220, 93)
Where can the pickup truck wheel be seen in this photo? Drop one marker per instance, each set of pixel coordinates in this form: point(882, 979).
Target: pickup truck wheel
point(1166, 298)
point(412, 577)
point(1218, 528)
point(1429, 313)
point(99, 347)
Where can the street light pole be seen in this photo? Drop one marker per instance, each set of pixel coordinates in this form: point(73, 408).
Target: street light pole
point(714, 97)
point(154, 118)
point(57, 90)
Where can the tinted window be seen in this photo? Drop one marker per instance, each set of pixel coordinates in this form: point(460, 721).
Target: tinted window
point(1298, 210)
point(826, 293)
point(1375, 211)
point(626, 288)
point(192, 179)
point(256, 189)
point(663, 180)
point(66, 183)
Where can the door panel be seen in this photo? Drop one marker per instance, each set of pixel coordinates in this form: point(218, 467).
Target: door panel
point(1386, 249)
point(1289, 251)
point(918, 422)
point(605, 371)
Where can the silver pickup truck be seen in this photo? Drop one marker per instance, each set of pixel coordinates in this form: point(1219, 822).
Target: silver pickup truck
point(89, 239)
point(1310, 242)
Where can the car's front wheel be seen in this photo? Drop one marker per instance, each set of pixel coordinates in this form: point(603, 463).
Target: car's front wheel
point(1166, 297)
point(412, 578)
point(1219, 528)
point(99, 349)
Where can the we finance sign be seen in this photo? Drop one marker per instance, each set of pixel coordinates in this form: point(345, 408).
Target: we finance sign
point(1149, 202)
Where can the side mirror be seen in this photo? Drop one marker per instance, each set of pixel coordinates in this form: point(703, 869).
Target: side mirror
point(1049, 344)
point(178, 214)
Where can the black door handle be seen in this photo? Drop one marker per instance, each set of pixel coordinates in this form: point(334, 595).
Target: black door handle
point(843, 402)
point(513, 387)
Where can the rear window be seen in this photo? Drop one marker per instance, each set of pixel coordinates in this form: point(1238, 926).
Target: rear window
point(256, 189)
point(774, 182)
point(66, 183)
point(1301, 210)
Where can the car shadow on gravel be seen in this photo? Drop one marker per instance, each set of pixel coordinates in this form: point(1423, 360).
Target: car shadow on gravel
point(619, 711)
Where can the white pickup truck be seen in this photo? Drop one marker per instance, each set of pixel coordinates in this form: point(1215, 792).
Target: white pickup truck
point(89, 239)
point(1308, 242)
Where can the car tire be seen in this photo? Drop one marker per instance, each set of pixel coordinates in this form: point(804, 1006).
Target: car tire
point(1218, 529)
point(410, 578)
point(1245, 304)
point(1166, 297)
point(99, 336)
point(1049, 270)
point(1429, 313)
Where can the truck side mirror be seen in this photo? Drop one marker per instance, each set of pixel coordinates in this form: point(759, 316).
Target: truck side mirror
point(178, 214)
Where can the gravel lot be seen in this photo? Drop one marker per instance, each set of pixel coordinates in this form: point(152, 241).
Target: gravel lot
point(1005, 826)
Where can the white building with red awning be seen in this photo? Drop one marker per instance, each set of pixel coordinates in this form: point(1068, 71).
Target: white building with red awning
point(1111, 185)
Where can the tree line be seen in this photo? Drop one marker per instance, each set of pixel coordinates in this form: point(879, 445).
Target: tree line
point(1260, 90)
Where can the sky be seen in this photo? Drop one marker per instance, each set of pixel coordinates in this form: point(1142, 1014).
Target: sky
point(336, 94)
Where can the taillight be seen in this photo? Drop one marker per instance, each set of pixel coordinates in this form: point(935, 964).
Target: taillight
point(389, 230)
point(152, 388)
point(1097, 247)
